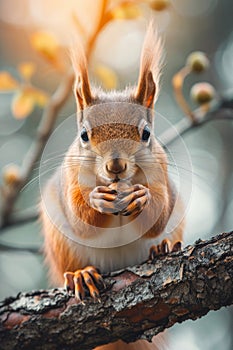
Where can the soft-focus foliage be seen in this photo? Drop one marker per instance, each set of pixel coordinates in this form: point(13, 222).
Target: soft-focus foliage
point(26, 96)
point(107, 76)
point(202, 92)
point(159, 5)
point(26, 99)
point(47, 46)
point(11, 174)
point(128, 10)
point(22, 104)
point(7, 82)
point(26, 70)
point(197, 61)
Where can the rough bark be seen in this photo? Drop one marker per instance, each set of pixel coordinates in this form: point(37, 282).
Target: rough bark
point(138, 302)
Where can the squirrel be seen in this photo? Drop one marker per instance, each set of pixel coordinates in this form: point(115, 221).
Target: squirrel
point(108, 204)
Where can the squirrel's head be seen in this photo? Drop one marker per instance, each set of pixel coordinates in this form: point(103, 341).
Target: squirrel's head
point(117, 127)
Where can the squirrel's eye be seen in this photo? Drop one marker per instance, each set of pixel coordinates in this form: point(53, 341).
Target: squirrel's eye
point(146, 134)
point(84, 135)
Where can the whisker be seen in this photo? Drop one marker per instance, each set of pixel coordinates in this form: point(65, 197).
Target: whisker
point(149, 163)
point(64, 165)
point(72, 157)
point(34, 179)
point(178, 168)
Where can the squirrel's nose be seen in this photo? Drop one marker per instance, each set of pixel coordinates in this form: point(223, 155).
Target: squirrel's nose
point(116, 165)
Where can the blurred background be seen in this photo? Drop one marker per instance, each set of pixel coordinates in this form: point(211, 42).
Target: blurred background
point(34, 36)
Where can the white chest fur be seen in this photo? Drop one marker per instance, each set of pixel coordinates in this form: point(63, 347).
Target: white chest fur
point(110, 259)
point(115, 247)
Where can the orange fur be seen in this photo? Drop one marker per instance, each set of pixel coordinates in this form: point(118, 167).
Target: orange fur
point(71, 226)
point(150, 70)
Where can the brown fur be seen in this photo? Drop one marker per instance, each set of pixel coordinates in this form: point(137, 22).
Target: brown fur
point(150, 70)
point(114, 122)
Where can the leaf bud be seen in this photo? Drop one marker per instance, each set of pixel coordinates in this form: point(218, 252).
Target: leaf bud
point(197, 61)
point(202, 92)
point(11, 174)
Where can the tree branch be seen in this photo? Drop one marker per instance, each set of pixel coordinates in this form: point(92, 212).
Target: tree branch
point(217, 110)
point(138, 302)
point(45, 128)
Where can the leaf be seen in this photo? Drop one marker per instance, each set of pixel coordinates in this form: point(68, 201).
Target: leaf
point(46, 45)
point(159, 5)
point(40, 97)
point(26, 99)
point(22, 104)
point(7, 82)
point(127, 10)
point(107, 76)
point(26, 69)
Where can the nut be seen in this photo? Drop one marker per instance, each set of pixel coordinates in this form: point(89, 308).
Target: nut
point(119, 186)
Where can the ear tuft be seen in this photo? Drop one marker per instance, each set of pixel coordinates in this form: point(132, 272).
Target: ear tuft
point(82, 88)
point(150, 68)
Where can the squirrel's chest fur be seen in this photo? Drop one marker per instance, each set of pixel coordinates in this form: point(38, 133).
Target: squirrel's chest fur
point(114, 247)
point(118, 245)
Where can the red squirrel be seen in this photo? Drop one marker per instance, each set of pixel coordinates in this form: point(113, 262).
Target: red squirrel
point(108, 204)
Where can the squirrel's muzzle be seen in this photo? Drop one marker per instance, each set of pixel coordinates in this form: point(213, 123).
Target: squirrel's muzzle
point(116, 166)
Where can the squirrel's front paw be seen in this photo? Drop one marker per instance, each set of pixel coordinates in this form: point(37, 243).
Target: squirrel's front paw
point(102, 199)
point(134, 199)
point(78, 280)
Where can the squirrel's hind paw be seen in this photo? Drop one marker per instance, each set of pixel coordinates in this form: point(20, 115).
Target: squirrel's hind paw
point(82, 279)
point(164, 247)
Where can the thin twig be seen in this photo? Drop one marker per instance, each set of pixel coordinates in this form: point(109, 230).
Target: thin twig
point(178, 82)
point(217, 110)
point(102, 21)
point(45, 128)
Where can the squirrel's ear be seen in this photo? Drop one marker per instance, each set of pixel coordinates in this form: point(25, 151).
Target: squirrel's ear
point(150, 68)
point(82, 88)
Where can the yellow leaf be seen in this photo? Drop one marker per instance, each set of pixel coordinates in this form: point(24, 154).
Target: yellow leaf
point(7, 82)
point(22, 104)
point(26, 99)
point(107, 76)
point(127, 10)
point(26, 69)
point(47, 45)
point(40, 97)
point(159, 5)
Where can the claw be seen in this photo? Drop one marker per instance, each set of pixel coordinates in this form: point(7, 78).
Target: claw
point(78, 280)
point(69, 282)
point(163, 248)
point(78, 283)
point(177, 247)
